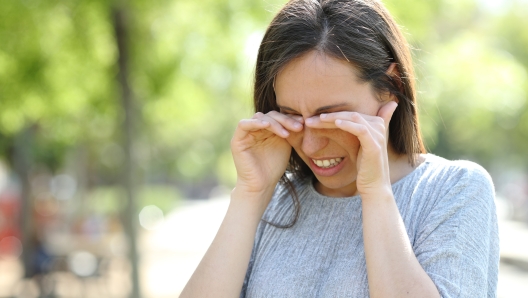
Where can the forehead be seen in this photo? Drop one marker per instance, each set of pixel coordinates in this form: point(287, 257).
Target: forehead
point(315, 80)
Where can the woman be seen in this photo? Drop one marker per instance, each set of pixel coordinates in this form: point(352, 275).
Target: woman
point(334, 165)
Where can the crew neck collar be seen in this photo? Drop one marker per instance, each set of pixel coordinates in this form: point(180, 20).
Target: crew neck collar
point(313, 192)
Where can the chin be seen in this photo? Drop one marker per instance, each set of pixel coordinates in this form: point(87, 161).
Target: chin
point(334, 184)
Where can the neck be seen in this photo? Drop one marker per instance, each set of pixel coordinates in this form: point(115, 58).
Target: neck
point(399, 164)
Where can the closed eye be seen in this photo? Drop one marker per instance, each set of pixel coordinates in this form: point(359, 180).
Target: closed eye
point(289, 114)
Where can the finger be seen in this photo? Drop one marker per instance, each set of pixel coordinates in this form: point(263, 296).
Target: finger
point(331, 117)
point(386, 112)
point(290, 122)
point(362, 132)
point(328, 120)
point(372, 122)
point(275, 127)
point(245, 126)
point(316, 122)
point(297, 118)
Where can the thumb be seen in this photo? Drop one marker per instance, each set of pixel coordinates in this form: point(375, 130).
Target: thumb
point(386, 112)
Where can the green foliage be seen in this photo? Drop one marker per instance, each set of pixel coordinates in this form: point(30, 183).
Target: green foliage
point(110, 199)
point(56, 69)
point(191, 65)
point(472, 76)
point(165, 198)
point(104, 200)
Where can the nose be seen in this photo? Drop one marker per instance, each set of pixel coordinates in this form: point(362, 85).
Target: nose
point(312, 141)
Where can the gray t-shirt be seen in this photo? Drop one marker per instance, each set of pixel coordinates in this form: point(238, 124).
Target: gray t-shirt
point(449, 213)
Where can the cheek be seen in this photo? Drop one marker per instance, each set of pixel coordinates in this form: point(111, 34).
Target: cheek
point(345, 140)
point(336, 137)
point(295, 139)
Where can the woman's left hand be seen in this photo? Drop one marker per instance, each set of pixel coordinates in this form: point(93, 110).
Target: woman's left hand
point(372, 132)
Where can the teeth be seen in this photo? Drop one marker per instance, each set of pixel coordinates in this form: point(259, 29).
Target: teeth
point(327, 163)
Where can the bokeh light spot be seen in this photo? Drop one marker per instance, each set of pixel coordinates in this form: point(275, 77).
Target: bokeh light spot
point(150, 216)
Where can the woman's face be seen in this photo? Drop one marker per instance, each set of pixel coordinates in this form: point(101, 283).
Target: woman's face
point(313, 84)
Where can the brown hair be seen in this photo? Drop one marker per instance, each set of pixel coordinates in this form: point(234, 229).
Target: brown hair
point(361, 32)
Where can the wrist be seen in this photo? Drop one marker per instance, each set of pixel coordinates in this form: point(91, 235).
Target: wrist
point(254, 202)
point(249, 190)
point(378, 195)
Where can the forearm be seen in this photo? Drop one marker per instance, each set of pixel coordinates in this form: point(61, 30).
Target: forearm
point(222, 270)
point(392, 267)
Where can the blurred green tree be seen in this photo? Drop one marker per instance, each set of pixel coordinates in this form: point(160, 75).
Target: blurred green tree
point(471, 71)
point(190, 67)
point(191, 70)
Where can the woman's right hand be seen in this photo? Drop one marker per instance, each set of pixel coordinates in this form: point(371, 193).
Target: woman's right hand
point(260, 150)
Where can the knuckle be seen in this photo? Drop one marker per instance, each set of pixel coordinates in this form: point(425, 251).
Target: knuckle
point(362, 129)
point(298, 117)
point(380, 126)
point(273, 124)
point(379, 137)
point(292, 120)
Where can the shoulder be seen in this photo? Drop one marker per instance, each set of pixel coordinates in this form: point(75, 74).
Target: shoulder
point(458, 174)
point(457, 227)
point(441, 187)
point(460, 191)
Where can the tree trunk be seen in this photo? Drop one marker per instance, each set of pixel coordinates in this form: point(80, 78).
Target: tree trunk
point(130, 216)
point(21, 165)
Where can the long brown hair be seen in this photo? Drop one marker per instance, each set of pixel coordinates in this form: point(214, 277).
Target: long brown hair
point(361, 32)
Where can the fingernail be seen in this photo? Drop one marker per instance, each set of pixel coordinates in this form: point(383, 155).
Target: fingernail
point(285, 132)
point(296, 124)
point(322, 116)
point(309, 121)
point(264, 122)
point(338, 121)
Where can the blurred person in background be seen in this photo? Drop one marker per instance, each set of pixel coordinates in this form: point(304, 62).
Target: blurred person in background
point(335, 194)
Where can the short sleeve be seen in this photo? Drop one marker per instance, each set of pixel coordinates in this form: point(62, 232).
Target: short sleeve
point(457, 243)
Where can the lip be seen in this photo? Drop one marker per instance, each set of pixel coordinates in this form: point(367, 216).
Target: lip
point(329, 171)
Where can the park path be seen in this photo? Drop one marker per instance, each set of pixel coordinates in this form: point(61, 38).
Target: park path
point(172, 251)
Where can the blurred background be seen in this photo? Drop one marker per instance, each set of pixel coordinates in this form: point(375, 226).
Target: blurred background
point(116, 117)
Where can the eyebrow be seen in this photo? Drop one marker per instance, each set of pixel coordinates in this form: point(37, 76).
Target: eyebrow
point(319, 110)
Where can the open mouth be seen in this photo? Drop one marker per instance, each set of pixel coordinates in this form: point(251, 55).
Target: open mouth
point(327, 163)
